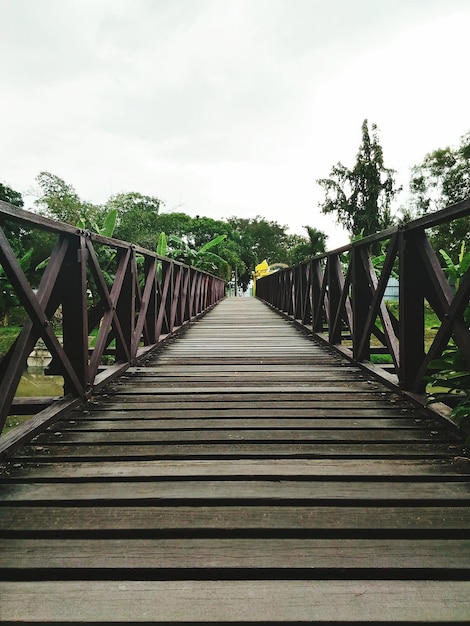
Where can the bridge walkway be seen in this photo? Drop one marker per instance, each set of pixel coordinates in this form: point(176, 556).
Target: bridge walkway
point(243, 473)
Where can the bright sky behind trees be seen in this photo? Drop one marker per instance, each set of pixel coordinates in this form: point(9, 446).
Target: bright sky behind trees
point(226, 107)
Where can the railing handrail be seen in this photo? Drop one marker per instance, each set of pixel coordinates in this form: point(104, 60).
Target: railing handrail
point(430, 220)
point(142, 307)
point(339, 296)
point(29, 218)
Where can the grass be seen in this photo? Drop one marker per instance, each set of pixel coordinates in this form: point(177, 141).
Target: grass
point(8, 334)
point(431, 325)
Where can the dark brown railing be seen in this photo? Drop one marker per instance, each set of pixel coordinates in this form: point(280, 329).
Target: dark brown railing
point(340, 297)
point(132, 298)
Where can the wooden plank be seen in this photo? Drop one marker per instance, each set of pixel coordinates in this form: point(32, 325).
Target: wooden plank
point(159, 369)
point(250, 396)
point(371, 407)
point(156, 392)
point(262, 435)
point(311, 521)
point(126, 422)
point(239, 554)
point(237, 601)
point(258, 491)
point(236, 449)
point(365, 468)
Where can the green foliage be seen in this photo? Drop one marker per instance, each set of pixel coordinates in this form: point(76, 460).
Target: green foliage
point(378, 260)
point(107, 227)
point(203, 258)
point(7, 194)
point(455, 271)
point(8, 334)
point(60, 201)
point(302, 249)
point(452, 371)
point(162, 247)
point(178, 224)
point(162, 244)
point(265, 239)
point(361, 197)
point(8, 297)
point(137, 218)
point(443, 179)
point(259, 239)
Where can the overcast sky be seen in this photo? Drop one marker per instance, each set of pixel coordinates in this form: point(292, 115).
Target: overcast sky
point(226, 107)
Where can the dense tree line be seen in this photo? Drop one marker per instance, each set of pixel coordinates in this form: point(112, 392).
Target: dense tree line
point(241, 243)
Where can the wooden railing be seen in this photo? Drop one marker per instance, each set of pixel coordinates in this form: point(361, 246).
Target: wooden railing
point(340, 297)
point(99, 306)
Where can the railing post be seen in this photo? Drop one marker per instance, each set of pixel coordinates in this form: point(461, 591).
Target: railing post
point(318, 296)
point(411, 309)
point(125, 306)
point(307, 270)
point(150, 273)
point(361, 302)
point(74, 313)
point(335, 287)
point(299, 293)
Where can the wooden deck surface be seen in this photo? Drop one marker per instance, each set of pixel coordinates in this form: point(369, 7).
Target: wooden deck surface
point(242, 474)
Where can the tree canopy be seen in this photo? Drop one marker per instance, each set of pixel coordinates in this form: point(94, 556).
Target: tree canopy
point(59, 200)
point(361, 197)
point(137, 217)
point(440, 180)
point(7, 194)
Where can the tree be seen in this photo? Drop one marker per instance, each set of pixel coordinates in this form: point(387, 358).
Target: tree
point(60, 201)
point(203, 258)
point(30, 246)
point(259, 239)
point(361, 197)
point(178, 224)
point(13, 230)
point(15, 235)
point(7, 194)
point(137, 218)
point(306, 248)
point(8, 298)
point(442, 179)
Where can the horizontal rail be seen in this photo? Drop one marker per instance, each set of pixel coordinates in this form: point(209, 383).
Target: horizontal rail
point(340, 296)
point(100, 305)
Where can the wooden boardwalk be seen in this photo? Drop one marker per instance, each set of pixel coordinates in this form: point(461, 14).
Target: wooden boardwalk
point(242, 474)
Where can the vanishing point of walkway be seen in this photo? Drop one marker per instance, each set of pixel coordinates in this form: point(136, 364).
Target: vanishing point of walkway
point(241, 474)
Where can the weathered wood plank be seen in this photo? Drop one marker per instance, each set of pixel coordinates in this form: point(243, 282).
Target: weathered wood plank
point(322, 362)
point(287, 520)
point(237, 601)
point(218, 387)
point(240, 554)
point(256, 491)
point(182, 422)
point(336, 408)
point(261, 435)
point(237, 449)
point(363, 468)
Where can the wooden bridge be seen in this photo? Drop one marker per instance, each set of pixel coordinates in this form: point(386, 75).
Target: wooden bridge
point(241, 471)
